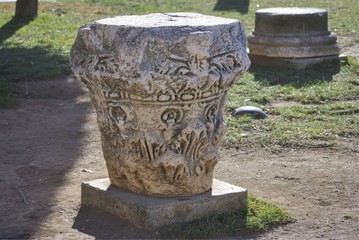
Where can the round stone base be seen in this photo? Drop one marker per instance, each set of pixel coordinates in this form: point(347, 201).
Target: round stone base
point(332, 62)
point(294, 38)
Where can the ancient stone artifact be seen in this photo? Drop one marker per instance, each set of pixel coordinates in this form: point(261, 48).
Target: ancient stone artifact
point(159, 83)
point(293, 37)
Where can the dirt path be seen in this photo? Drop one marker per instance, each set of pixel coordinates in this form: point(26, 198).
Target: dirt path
point(50, 144)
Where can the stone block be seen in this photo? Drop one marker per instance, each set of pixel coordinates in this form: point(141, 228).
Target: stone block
point(149, 212)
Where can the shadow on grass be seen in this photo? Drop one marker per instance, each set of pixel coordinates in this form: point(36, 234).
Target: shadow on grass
point(17, 63)
point(39, 62)
point(102, 225)
point(6, 98)
point(26, 64)
point(20, 63)
point(260, 217)
point(241, 6)
point(214, 226)
point(11, 27)
point(296, 78)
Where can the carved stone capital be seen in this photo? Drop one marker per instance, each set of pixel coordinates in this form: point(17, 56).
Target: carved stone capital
point(159, 83)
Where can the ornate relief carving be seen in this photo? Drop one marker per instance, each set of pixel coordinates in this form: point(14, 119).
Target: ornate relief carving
point(159, 92)
point(146, 150)
point(206, 165)
point(174, 167)
point(211, 113)
point(171, 116)
point(191, 144)
point(201, 75)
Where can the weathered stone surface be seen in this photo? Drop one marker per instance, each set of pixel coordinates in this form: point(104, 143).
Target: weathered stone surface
point(149, 213)
point(292, 33)
point(331, 63)
point(159, 82)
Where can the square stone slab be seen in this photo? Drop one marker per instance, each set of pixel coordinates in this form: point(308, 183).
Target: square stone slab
point(149, 213)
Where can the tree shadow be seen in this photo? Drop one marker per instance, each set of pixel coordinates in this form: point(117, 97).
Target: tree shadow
point(241, 6)
point(11, 27)
point(40, 139)
point(18, 63)
point(39, 145)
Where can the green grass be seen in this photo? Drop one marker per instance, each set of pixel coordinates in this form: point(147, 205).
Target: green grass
point(39, 49)
point(341, 20)
point(260, 216)
point(6, 96)
point(312, 111)
point(298, 126)
point(306, 109)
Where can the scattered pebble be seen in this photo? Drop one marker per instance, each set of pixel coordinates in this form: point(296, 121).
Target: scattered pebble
point(255, 112)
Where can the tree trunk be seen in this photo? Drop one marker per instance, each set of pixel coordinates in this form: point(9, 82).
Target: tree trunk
point(26, 9)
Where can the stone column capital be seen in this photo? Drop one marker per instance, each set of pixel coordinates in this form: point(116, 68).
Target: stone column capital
point(159, 83)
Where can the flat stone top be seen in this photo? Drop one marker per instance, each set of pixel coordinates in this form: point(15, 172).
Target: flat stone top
point(291, 11)
point(166, 20)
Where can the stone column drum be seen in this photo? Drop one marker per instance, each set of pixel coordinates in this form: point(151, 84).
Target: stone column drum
point(293, 37)
point(159, 83)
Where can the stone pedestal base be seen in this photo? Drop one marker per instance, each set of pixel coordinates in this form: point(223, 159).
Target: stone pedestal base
point(149, 213)
point(295, 38)
point(296, 63)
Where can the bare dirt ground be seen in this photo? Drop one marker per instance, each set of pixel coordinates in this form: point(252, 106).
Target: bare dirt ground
point(50, 143)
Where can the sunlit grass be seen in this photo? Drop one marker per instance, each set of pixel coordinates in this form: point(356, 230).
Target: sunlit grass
point(317, 108)
point(40, 50)
point(260, 216)
point(317, 125)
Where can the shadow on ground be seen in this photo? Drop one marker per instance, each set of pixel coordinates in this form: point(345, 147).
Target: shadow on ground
point(103, 225)
point(241, 6)
point(40, 142)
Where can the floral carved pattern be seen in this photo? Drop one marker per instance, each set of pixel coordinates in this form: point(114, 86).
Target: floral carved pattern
point(159, 91)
